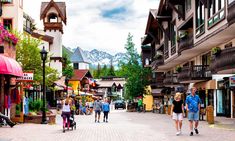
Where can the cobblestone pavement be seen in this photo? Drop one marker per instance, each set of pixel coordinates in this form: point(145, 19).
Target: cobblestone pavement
point(122, 126)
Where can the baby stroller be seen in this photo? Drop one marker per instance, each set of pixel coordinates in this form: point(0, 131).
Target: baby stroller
point(71, 121)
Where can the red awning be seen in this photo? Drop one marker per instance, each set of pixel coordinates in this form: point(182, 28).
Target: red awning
point(10, 66)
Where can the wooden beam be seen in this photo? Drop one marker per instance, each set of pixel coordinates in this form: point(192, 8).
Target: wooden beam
point(176, 10)
point(163, 17)
point(163, 30)
point(154, 38)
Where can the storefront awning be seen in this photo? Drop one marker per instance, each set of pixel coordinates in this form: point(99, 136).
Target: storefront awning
point(10, 66)
point(211, 84)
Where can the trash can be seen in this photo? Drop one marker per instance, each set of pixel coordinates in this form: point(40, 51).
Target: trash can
point(210, 114)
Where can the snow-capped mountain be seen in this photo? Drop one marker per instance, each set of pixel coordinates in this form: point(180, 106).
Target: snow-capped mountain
point(95, 56)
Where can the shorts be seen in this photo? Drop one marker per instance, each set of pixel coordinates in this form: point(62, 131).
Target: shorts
point(97, 112)
point(193, 116)
point(177, 116)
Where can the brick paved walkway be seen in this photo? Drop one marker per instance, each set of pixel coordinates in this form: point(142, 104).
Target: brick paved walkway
point(122, 126)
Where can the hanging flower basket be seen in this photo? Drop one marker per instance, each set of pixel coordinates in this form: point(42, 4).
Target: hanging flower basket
point(178, 68)
point(216, 51)
point(158, 55)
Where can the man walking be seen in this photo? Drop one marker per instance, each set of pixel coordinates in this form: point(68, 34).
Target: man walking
point(193, 107)
point(97, 108)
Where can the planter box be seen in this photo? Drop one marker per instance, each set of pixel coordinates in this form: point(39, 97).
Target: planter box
point(38, 119)
point(18, 118)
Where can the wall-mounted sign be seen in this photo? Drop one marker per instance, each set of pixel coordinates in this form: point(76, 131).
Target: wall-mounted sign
point(232, 81)
point(27, 76)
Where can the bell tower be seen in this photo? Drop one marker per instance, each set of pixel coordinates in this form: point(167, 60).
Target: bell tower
point(53, 15)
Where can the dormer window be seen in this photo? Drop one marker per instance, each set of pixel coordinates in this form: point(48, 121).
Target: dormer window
point(52, 18)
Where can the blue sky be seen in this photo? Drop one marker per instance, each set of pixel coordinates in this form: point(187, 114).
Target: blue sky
point(100, 24)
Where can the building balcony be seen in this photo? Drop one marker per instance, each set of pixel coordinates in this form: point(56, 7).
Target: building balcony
point(159, 61)
point(53, 26)
point(224, 63)
point(171, 79)
point(185, 43)
point(231, 12)
point(193, 74)
point(158, 80)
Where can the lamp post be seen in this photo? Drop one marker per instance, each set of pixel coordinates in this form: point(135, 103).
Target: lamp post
point(43, 53)
point(67, 83)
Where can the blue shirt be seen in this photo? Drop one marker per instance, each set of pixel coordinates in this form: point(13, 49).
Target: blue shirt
point(105, 107)
point(193, 102)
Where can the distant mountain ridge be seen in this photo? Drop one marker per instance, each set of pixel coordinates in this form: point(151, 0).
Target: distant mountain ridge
point(103, 58)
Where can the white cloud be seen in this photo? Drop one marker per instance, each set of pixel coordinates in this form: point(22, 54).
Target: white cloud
point(88, 29)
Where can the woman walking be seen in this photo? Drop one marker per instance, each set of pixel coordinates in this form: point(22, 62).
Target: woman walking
point(106, 109)
point(66, 111)
point(177, 112)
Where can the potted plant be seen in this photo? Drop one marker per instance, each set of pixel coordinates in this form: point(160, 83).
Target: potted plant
point(178, 68)
point(158, 55)
point(216, 51)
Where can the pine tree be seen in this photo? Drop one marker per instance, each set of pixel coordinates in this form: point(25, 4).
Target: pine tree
point(111, 71)
point(133, 70)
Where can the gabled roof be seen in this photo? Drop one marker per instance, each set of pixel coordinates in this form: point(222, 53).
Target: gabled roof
point(80, 74)
point(78, 56)
point(152, 16)
point(59, 6)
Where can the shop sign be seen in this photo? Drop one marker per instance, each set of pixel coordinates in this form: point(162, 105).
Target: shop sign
point(232, 81)
point(27, 76)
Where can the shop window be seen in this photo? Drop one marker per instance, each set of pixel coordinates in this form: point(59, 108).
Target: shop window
point(216, 11)
point(7, 23)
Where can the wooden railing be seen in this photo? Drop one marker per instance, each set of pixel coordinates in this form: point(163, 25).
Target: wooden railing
point(160, 61)
point(170, 79)
point(224, 61)
point(185, 43)
point(196, 72)
point(158, 80)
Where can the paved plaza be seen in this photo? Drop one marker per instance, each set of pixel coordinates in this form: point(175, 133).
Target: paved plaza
point(122, 126)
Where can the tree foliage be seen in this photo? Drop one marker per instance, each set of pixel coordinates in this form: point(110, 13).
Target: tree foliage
point(111, 71)
point(67, 69)
point(28, 55)
point(137, 76)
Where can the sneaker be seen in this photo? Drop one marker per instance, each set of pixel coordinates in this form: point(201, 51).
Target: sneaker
point(196, 131)
point(177, 133)
point(95, 120)
point(191, 134)
point(180, 132)
point(98, 121)
point(103, 120)
point(106, 121)
point(12, 124)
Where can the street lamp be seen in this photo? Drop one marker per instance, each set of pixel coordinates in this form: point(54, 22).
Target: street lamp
point(43, 53)
point(66, 83)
